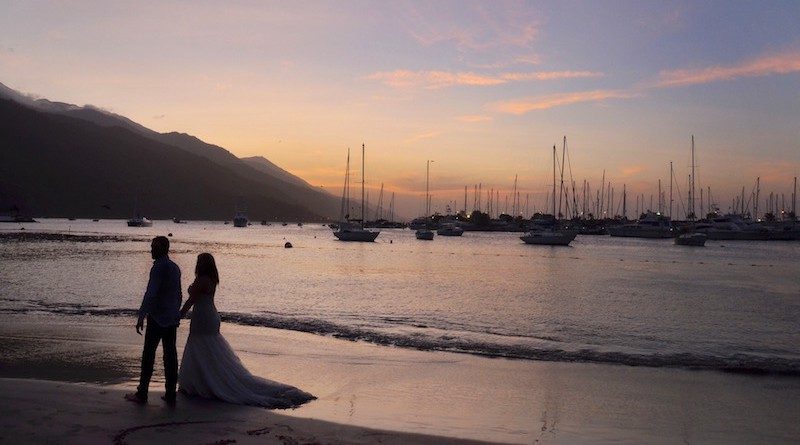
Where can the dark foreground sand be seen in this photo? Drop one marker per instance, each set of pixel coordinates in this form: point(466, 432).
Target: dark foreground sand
point(46, 412)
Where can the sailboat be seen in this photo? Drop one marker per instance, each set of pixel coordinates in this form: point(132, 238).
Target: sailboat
point(424, 233)
point(353, 229)
point(240, 219)
point(138, 220)
point(691, 237)
point(551, 235)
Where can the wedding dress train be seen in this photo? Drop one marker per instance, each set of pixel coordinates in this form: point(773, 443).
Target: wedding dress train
point(211, 369)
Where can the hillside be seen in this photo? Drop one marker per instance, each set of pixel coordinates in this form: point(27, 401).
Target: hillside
point(75, 162)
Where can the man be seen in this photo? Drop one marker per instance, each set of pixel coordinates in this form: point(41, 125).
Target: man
point(161, 306)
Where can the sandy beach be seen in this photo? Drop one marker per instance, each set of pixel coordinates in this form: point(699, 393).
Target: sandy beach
point(46, 412)
point(63, 380)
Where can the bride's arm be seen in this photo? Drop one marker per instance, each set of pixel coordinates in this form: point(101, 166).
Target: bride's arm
point(199, 287)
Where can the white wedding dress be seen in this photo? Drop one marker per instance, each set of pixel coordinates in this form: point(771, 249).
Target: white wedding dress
point(211, 369)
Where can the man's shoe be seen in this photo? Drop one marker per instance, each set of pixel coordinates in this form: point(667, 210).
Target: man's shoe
point(135, 398)
point(169, 399)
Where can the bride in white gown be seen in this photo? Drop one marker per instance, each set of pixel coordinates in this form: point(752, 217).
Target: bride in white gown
point(209, 367)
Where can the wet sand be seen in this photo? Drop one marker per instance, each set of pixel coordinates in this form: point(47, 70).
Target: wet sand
point(38, 412)
point(63, 378)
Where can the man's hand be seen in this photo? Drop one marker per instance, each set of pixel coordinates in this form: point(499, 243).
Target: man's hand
point(139, 326)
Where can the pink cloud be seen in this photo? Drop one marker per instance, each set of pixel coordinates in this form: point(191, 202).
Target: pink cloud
point(432, 79)
point(632, 170)
point(422, 136)
point(443, 79)
point(523, 106)
point(782, 63)
point(550, 75)
point(473, 118)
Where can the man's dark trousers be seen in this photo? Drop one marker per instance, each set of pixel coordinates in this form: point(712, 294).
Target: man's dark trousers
point(167, 336)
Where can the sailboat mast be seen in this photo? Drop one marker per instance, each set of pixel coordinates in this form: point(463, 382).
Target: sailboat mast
point(561, 185)
point(344, 214)
point(670, 189)
point(624, 201)
point(514, 199)
point(363, 151)
point(758, 193)
point(554, 183)
point(692, 212)
point(427, 190)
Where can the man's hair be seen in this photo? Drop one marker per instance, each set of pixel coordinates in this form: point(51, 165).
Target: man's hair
point(162, 241)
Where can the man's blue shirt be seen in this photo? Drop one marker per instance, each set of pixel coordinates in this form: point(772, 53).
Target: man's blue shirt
point(163, 298)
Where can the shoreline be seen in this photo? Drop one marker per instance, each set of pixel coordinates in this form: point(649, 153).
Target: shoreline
point(63, 376)
point(53, 357)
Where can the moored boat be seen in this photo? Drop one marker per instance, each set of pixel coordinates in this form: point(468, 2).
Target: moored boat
point(547, 232)
point(240, 219)
point(651, 225)
point(140, 221)
point(549, 237)
point(353, 229)
point(425, 233)
point(696, 239)
point(449, 229)
point(15, 219)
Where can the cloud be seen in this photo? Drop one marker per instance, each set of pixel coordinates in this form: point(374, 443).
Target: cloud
point(529, 60)
point(432, 79)
point(633, 170)
point(522, 106)
point(550, 75)
point(443, 79)
point(767, 65)
point(421, 136)
point(473, 118)
point(503, 64)
point(472, 28)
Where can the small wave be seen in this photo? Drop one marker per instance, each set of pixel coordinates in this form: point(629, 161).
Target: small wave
point(734, 363)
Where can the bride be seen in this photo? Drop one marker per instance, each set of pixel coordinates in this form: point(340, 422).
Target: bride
point(209, 367)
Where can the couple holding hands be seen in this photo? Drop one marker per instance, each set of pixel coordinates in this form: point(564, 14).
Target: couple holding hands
point(209, 367)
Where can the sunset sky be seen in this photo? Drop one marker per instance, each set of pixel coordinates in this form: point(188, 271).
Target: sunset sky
point(484, 89)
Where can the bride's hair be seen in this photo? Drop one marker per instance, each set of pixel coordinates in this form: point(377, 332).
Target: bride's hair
point(207, 266)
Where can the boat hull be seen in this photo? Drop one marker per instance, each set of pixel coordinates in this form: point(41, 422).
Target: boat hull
point(549, 238)
point(691, 239)
point(356, 235)
point(140, 222)
point(426, 235)
point(450, 229)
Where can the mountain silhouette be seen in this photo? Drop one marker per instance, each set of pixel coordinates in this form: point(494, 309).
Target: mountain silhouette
point(61, 160)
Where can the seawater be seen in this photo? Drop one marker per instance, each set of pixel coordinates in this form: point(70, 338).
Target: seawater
point(728, 306)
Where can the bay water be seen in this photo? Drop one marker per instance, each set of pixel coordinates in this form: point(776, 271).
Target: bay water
point(728, 306)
